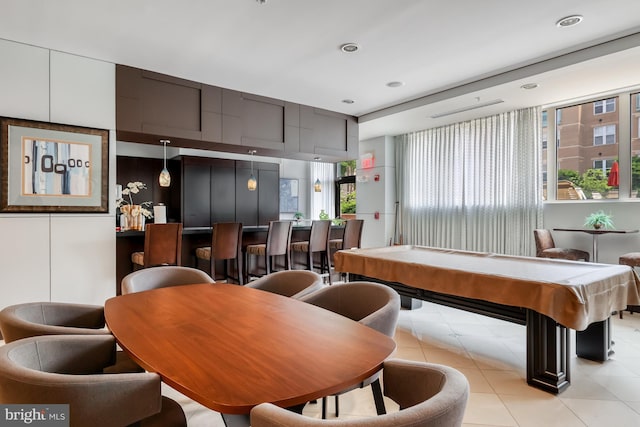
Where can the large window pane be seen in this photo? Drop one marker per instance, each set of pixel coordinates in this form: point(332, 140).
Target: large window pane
point(587, 148)
point(635, 144)
point(543, 163)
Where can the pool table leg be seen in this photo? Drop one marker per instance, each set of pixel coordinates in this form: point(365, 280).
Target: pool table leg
point(547, 353)
point(594, 343)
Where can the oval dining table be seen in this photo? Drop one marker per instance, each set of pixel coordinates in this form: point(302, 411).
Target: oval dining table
point(231, 348)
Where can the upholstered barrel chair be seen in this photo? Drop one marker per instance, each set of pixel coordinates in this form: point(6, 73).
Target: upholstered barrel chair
point(68, 369)
point(429, 395)
point(289, 283)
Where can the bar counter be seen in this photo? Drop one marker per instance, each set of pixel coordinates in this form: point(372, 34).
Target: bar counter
point(128, 242)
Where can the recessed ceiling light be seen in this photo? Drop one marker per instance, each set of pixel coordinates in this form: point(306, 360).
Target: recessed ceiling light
point(350, 47)
point(529, 86)
point(569, 21)
point(395, 84)
point(348, 101)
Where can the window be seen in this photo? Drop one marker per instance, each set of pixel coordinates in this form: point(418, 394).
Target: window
point(604, 165)
point(345, 194)
point(603, 135)
point(604, 106)
point(637, 102)
point(585, 150)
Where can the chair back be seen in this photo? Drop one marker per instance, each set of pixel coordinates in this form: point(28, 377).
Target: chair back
point(278, 238)
point(226, 240)
point(50, 318)
point(543, 239)
point(352, 233)
point(372, 304)
point(429, 395)
point(289, 283)
point(68, 369)
point(319, 235)
point(162, 244)
point(162, 277)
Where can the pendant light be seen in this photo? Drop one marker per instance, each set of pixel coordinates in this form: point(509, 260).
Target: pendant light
point(165, 179)
point(317, 186)
point(252, 183)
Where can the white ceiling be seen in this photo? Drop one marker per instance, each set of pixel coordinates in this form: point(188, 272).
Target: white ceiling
point(449, 54)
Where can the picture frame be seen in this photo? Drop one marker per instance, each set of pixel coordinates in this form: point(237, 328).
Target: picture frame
point(53, 168)
point(288, 195)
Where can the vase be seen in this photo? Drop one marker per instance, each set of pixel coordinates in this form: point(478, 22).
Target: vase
point(597, 226)
point(132, 218)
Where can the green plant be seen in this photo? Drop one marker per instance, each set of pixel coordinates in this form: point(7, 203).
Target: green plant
point(298, 215)
point(599, 220)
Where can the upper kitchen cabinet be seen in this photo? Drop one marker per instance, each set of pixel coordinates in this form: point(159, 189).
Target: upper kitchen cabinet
point(259, 122)
point(328, 134)
point(149, 103)
point(152, 106)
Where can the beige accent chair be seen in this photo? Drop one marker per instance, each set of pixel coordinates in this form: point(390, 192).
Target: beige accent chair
point(277, 244)
point(68, 369)
point(318, 243)
point(372, 304)
point(162, 277)
point(429, 395)
point(289, 283)
point(56, 318)
point(546, 248)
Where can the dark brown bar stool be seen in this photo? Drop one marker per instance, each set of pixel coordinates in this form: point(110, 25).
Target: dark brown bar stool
point(632, 259)
point(278, 241)
point(318, 243)
point(226, 245)
point(162, 246)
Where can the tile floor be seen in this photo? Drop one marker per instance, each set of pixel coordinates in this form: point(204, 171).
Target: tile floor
point(491, 353)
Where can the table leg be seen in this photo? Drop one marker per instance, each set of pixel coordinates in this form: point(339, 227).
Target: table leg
point(547, 353)
point(595, 247)
point(594, 343)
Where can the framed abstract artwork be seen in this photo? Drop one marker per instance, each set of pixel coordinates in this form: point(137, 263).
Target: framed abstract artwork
point(288, 195)
point(47, 167)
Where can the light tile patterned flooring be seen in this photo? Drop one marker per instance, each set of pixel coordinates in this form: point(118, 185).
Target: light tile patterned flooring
point(491, 353)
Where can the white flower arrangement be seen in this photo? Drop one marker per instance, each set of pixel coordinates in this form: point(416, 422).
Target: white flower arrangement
point(126, 205)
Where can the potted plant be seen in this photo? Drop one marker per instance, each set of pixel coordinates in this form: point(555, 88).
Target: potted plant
point(298, 216)
point(599, 220)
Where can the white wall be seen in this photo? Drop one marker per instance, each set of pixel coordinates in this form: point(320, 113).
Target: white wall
point(377, 196)
point(57, 257)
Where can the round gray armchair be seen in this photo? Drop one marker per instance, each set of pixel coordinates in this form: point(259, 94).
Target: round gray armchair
point(161, 277)
point(289, 283)
point(429, 395)
point(68, 369)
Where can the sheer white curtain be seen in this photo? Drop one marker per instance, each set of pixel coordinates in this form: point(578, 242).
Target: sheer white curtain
point(325, 172)
point(473, 185)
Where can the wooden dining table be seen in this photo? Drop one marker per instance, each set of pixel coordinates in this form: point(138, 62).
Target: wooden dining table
point(230, 348)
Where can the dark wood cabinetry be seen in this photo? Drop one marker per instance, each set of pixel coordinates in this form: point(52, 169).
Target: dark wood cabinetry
point(259, 122)
point(262, 205)
point(152, 106)
point(206, 190)
point(327, 133)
